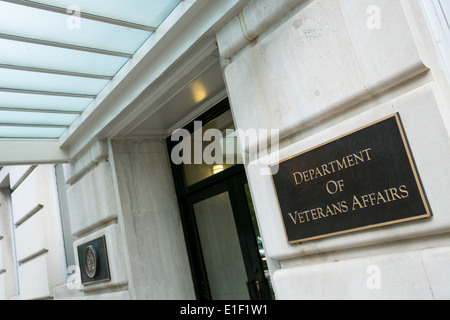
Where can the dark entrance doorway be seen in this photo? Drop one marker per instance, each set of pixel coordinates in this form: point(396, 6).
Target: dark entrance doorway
point(222, 236)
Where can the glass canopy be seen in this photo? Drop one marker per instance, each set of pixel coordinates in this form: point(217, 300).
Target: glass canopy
point(56, 56)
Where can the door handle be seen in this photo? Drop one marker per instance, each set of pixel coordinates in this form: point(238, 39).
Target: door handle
point(253, 288)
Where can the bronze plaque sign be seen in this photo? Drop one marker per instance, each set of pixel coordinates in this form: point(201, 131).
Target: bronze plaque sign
point(362, 180)
point(93, 258)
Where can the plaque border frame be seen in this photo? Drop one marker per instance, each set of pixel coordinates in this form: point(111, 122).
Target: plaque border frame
point(93, 281)
point(413, 168)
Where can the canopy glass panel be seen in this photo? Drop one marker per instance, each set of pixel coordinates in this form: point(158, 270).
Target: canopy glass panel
point(57, 57)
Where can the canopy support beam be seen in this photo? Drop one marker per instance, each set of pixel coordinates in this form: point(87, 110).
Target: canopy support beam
point(27, 151)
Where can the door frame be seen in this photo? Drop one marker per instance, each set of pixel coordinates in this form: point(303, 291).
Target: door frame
point(232, 180)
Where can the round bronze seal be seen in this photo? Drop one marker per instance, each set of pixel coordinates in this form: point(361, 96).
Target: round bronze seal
point(90, 261)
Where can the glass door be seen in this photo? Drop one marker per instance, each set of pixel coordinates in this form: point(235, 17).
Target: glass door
point(222, 253)
point(225, 239)
point(224, 245)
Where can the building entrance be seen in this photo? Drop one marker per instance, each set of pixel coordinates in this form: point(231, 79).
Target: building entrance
point(222, 236)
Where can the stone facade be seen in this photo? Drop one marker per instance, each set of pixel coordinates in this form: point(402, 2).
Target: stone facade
point(32, 247)
point(312, 69)
point(318, 74)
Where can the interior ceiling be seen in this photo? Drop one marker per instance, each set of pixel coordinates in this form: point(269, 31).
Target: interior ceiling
point(193, 94)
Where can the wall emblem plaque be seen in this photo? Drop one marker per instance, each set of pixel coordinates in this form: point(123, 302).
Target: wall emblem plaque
point(90, 261)
point(364, 179)
point(93, 259)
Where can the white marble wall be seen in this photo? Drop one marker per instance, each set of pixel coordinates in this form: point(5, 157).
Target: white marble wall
point(321, 72)
point(37, 233)
point(126, 194)
point(92, 199)
point(155, 241)
point(321, 62)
